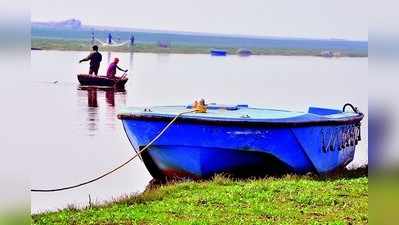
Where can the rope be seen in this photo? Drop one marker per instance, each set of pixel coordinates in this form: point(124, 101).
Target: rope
point(355, 109)
point(120, 166)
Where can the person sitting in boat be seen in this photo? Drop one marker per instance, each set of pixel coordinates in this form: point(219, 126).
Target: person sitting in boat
point(111, 71)
point(95, 59)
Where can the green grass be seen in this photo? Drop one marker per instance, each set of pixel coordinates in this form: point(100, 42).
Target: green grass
point(286, 200)
point(71, 45)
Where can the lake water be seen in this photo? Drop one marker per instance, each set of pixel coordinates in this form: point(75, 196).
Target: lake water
point(75, 134)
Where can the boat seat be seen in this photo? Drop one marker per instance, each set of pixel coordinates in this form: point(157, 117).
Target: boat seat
point(323, 111)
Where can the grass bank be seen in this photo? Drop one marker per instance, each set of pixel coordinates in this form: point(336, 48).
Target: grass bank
point(75, 45)
point(287, 200)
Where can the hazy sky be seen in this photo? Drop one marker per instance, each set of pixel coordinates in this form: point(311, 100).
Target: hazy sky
point(292, 18)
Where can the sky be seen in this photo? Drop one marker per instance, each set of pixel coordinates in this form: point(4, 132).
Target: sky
point(282, 18)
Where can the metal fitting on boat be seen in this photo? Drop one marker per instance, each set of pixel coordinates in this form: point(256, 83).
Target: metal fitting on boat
point(200, 106)
point(354, 109)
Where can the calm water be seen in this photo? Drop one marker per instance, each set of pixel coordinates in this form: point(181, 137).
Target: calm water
point(75, 134)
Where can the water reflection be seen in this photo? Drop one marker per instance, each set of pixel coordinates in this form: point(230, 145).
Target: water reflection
point(92, 120)
point(163, 58)
point(101, 108)
point(92, 97)
point(110, 97)
point(131, 61)
point(108, 57)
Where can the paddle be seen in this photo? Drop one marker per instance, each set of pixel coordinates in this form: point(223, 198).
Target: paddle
point(123, 75)
point(120, 78)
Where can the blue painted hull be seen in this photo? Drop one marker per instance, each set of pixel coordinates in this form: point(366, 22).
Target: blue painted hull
point(200, 149)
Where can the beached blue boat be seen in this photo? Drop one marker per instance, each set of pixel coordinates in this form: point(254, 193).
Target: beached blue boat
point(218, 52)
point(242, 140)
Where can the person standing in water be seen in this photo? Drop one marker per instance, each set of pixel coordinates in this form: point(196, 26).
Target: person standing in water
point(95, 59)
point(111, 71)
point(109, 39)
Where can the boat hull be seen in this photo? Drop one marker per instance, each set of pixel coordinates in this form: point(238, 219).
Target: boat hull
point(90, 80)
point(200, 149)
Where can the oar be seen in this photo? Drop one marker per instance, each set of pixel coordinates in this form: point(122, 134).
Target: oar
point(120, 78)
point(123, 75)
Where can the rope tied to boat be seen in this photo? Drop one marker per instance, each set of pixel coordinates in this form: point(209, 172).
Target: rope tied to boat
point(123, 164)
point(355, 109)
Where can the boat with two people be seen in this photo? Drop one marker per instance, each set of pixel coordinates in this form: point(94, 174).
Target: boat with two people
point(110, 80)
point(117, 83)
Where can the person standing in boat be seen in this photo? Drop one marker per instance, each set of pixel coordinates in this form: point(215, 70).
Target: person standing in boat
point(95, 59)
point(111, 71)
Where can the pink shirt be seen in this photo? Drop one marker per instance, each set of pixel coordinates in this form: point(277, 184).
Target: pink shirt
point(111, 71)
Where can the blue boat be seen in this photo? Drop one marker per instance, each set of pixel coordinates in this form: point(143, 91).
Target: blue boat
point(218, 52)
point(243, 141)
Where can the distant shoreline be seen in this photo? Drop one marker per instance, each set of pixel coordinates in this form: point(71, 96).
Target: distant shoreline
point(76, 45)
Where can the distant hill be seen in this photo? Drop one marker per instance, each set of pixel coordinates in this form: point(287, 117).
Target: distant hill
point(66, 24)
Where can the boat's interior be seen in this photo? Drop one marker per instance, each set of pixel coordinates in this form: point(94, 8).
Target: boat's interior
point(323, 111)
